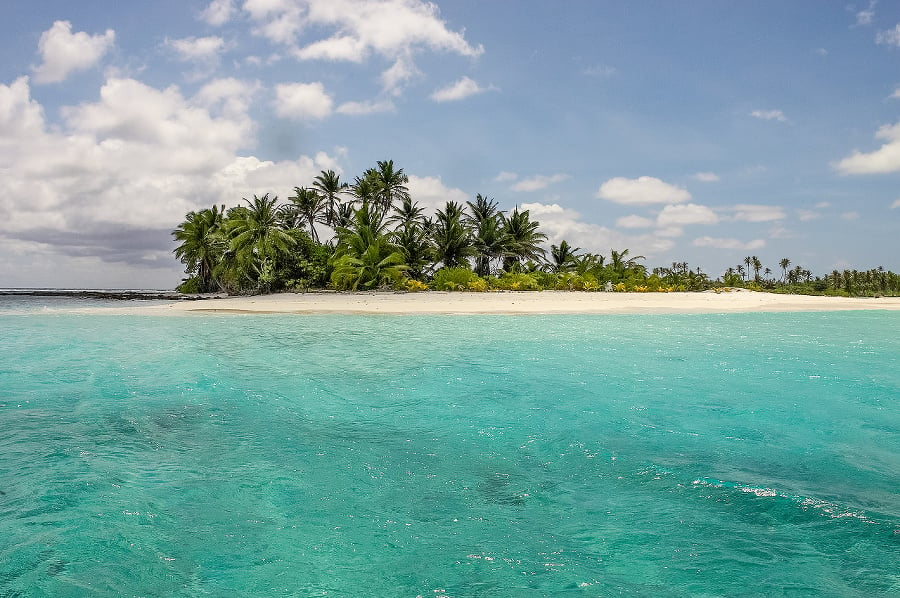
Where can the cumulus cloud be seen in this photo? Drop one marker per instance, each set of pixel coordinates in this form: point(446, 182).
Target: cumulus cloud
point(769, 115)
point(395, 78)
point(202, 49)
point(643, 190)
point(681, 215)
point(538, 182)
point(460, 90)
point(107, 184)
point(360, 108)
point(891, 37)
point(218, 12)
point(386, 27)
point(634, 221)
point(706, 177)
point(505, 176)
point(730, 244)
point(433, 194)
point(757, 213)
point(355, 29)
point(560, 223)
point(64, 52)
point(302, 101)
point(896, 204)
point(884, 159)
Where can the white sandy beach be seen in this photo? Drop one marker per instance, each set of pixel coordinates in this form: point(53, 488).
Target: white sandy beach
point(543, 302)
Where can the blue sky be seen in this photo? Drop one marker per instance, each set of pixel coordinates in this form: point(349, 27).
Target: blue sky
point(684, 131)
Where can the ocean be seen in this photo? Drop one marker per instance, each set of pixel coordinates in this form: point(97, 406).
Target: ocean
point(752, 454)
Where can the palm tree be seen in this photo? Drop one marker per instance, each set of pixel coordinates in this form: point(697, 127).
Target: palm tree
point(391, 185)
point(563, 258)
point(407, 214)
point(202, 245)
point(329, 185)
point(619, 264)
point(450, 236)
point(414, 243)
point(523, 239)
point(784, 263)
point(308, 207)
point(489, 239)
point(365, 257)
point(748, 261)
point(482, 209)
point(589, 262)
point(757, 266)
point(257, 239)
point(343, 215)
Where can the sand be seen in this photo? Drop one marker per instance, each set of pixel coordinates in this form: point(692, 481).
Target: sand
point(543, 302)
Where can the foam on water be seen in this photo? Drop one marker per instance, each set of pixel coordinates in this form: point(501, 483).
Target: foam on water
point(747, 454)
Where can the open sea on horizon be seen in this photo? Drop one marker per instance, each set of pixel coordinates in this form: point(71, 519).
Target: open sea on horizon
point(449, 456)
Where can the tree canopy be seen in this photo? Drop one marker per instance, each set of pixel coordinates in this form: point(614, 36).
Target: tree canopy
point(373, 234)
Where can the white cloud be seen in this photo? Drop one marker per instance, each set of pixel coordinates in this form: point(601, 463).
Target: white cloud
point(769, 115)
point(681, 215)
point(277, 20)
point(706, 177)
point(864, 17)
point(890, 37)
point(896, 204)
point(823, 204)
point(360, 108)
point(206, 49)
point(302, 101)
point(432, 194)
point(460, 90)
point(538, 182)
point(218, 12)
point(850, 216)
point(884, 159)
point(64, 52)
point(896, 94)
point(757, 213)
point(108, 183)
point(641, 191)
point(821, 51)
point(355, 29)
point(731, 244)
point(634, 221)
point(505, 176)
point(807, 215)
point(402, 71)
point(560, 223)
point(337, 48)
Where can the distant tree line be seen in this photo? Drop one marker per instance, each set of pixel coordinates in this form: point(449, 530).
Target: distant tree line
point(377, 237)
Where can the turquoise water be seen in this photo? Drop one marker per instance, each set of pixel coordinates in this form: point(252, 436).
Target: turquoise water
point(695, 455)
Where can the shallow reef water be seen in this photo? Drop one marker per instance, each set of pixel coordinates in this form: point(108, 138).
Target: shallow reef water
point(689, 455)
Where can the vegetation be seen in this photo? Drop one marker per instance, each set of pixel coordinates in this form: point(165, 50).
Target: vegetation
point(372, 235)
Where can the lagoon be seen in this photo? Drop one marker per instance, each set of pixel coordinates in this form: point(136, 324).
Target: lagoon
point(449, 455)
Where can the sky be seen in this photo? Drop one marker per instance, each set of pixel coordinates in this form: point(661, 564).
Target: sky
point(699, 131)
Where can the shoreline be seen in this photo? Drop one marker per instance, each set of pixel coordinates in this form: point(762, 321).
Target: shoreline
point(508, 303)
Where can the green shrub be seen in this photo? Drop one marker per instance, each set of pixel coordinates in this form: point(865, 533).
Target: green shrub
point(515, 281)
point(189, 286)
point(572, 281)
point(457, 279)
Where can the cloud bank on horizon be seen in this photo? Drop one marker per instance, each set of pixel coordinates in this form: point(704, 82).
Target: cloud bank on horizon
point(613, 131)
